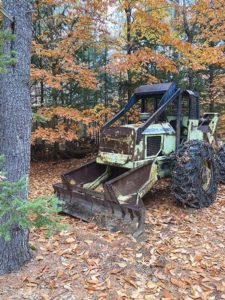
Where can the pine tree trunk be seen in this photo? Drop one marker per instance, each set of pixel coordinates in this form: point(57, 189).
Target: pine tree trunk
point(15, 125)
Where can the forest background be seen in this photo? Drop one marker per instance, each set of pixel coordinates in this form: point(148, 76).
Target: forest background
point(89, 56)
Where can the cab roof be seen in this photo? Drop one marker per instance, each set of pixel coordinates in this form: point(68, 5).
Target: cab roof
point(153, 89)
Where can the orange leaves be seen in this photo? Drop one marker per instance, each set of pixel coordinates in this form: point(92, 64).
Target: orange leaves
point(202, 25)
point(53, 81)
point(70, 124)
point(59, 133)
point(46, 52)
point(148, 25)
point(65, 112)
point(84, 77)
point(46, 134)
point(211, 19)
point(99, 114)
point(140, 59)
point(38, 74)
point(62, 131)
point(69, 264)
point(64, 29)
point(71, 73)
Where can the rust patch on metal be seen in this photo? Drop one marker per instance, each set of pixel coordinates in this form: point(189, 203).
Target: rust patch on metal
point(118, 140)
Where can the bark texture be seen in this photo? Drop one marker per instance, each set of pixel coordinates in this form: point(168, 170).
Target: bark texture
point(15, 124)
point(128, 12)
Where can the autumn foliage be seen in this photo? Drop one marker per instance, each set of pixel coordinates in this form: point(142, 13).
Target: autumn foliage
point(89, 56)
point(58, 124)
point(85, 53)
point(62, 30)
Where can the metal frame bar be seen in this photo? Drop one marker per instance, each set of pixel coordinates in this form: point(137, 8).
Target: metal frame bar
point(178, 125)
point(156, 115)
point(191, 98)
point(171, 95)
point(166, 96)
point(198, 107)
point(128, 106)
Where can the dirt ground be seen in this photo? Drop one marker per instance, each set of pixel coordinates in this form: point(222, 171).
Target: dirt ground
point(180, 256)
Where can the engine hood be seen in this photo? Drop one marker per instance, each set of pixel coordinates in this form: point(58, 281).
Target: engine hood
point(156, 129)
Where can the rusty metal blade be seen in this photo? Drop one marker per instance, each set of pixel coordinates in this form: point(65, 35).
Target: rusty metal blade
point(92, 207)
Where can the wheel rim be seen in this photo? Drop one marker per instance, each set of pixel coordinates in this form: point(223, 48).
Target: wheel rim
point(206, 175)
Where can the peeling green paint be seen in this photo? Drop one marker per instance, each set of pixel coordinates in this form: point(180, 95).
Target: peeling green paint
point(193, 132)
point(113, 158)
point(138, 155)
point(169, 144)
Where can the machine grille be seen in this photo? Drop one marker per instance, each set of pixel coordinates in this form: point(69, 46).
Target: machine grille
point(153, 145)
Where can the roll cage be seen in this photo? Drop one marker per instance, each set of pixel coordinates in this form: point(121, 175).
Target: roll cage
point(166, 94)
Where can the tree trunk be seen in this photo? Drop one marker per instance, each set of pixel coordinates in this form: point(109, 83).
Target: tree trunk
point(15, 126)
point(128, 12)
point(211, 98)
point(190, 79)
point(42, 93)
point(190, 37)
point(211, 78)
point(105, 78)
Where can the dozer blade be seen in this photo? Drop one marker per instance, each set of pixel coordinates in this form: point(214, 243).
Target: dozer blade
point(116, 202)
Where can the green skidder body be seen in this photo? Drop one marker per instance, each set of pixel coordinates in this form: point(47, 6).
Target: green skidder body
point(159, 140)
point(171, 139)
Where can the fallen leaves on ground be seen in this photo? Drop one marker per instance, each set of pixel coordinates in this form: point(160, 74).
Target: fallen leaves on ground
point(180, 256)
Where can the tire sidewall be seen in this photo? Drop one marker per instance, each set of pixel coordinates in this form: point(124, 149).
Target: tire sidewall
point(221, 164)
point(187, 184)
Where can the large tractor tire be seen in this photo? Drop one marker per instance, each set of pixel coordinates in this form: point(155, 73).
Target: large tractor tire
point(194, 175)
point(221, 164)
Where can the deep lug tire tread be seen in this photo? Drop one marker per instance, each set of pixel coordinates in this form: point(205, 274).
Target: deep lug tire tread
point(221, 164)
point(186, 174)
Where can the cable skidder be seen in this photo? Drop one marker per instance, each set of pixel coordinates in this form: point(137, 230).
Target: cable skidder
point(170, 140)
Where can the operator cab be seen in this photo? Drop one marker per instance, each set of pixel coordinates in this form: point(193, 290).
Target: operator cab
point(178, 113)
point(150, 96)
point(150, 102)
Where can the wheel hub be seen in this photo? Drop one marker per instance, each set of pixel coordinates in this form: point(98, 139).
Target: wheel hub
point(206, 175)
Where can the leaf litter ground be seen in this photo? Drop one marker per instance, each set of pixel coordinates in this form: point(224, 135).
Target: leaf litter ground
point(180, 256)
